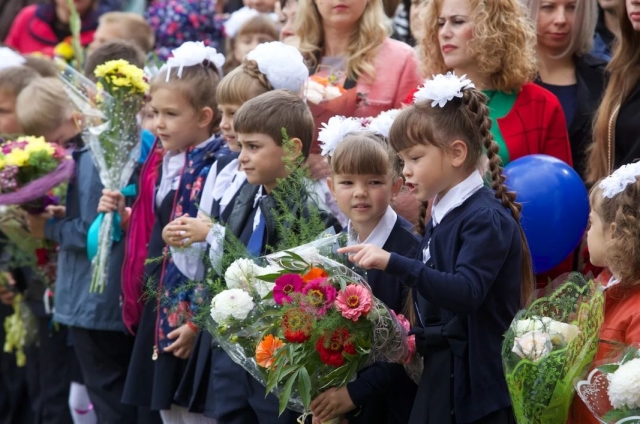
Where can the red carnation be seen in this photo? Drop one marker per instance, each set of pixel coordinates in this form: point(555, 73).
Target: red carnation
point(297, 325)
point(331, 350)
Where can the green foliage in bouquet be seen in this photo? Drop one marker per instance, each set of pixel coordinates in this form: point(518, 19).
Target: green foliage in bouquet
point(541, 387)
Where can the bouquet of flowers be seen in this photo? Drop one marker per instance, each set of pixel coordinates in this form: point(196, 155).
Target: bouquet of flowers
point(548, 345)
point(322, 89)
point(301, 322)
point(110, 108)
point(612, 391)
point(29, 169)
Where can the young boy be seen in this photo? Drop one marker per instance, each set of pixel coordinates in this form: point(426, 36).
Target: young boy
point(113, 50)
point(258, 124)
point(124, 26)
point(95, 321)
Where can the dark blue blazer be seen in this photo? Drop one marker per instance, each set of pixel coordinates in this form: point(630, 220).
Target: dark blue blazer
point(474, 276)
point(384, 391)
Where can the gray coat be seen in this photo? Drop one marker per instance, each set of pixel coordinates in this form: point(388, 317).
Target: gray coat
point(74, 304)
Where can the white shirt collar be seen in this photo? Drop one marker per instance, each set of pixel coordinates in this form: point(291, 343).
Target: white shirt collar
point(456, 196)
point(380, 233)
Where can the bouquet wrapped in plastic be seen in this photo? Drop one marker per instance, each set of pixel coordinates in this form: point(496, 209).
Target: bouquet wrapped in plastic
point(301, 322)
point(548, 345)
point(110, 107)
point(29, 169)
point(612, 390)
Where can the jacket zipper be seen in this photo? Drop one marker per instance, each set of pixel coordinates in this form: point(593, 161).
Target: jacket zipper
point(156, 349)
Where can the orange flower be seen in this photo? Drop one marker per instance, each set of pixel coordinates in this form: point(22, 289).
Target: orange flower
point(267, 349)
point(314, 273)
point(320, 80)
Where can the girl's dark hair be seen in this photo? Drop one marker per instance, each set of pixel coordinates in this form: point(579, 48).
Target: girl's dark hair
point(466, 119)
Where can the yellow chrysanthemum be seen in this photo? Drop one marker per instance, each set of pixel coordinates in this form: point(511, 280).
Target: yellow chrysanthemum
point(17, 157)
point(39, 145)
point(120, 73)
point(2, 162)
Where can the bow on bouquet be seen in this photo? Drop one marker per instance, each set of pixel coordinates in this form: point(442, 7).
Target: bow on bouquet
point(110, 108)
point(302, 323)
point(29, 169)
point(548, 345)
point(612, 390)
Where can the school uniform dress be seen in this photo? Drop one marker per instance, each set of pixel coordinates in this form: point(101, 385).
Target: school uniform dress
point(154, 384)
point(466, 283)
point(620, 328)
point(383, 392)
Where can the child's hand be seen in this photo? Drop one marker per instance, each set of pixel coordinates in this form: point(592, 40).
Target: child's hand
point(36, 223)
point(330, 404)
point(57, 211)
point(367, 256)
point(6, 291)
point(185, 339)
point(185, 231)
point(112, 201)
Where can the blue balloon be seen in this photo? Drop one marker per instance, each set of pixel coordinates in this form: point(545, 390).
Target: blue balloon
point(555, 207)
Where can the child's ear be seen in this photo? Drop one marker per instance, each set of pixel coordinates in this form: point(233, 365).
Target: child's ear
point(458, 152)
point(76, 119)
point(206, 116)
point(330, 185)
point(612, 230)
point(396, 187)
point(297, 146)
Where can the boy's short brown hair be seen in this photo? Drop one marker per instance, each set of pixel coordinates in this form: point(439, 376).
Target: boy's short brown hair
point(113, 50)
point(270, 112)
point(43, 106)
point(42, 65)
point(14, 79)
point(133, 27)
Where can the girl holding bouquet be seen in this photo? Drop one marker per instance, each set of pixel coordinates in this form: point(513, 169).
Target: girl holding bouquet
point(185, 116)
point(613, 237)
point(473, 267)
point(365, 179)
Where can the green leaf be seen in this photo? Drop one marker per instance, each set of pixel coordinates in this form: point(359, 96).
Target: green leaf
point(609, 368)
point(269, 278)
point(632, 353)
point(618, 414)
point(285, 394)
point(304, 387)
point(296, 257)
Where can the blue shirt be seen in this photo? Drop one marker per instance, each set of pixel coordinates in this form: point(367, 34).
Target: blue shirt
point(568, 97)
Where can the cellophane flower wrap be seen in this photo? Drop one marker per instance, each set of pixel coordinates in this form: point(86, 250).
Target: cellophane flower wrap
point(301, 322)
point(30, 168)
point(110, 108)
point(611, 390)
point(548, 345)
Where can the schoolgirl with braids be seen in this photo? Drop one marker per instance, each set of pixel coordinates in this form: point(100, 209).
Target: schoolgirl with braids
point(473, 268)
point(614, 243)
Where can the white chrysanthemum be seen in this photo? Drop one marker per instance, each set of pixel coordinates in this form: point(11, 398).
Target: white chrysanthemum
point(282, 64)
point(559, 332)
point(442, 88)
point(381, 124)
point(314, 92)
point(240, 274)
point(332, 132)
point(191, 53)
point(237, 19)
point(232, 303)
point(624, 385)
point(619, 180)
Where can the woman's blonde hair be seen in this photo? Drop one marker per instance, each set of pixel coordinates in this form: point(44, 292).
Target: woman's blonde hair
point(623, 250)
point(503, 43)
point(370, 31)
point(466, 119)
point(260, 24)
point(624, 72)
point(242, 84)
point(585, 20)
point(365, 153)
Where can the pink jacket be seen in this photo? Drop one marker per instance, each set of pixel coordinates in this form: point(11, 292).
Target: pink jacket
point(397, 75)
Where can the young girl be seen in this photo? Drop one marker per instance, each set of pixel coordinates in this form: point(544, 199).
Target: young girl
point(614, 242)
point(256, 75)
point(245, 29)
point(366, 177)
point(185, 110)
point(473, 266)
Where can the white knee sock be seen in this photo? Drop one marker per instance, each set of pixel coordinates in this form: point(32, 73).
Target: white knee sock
point(80, 405)
point(180, 415)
